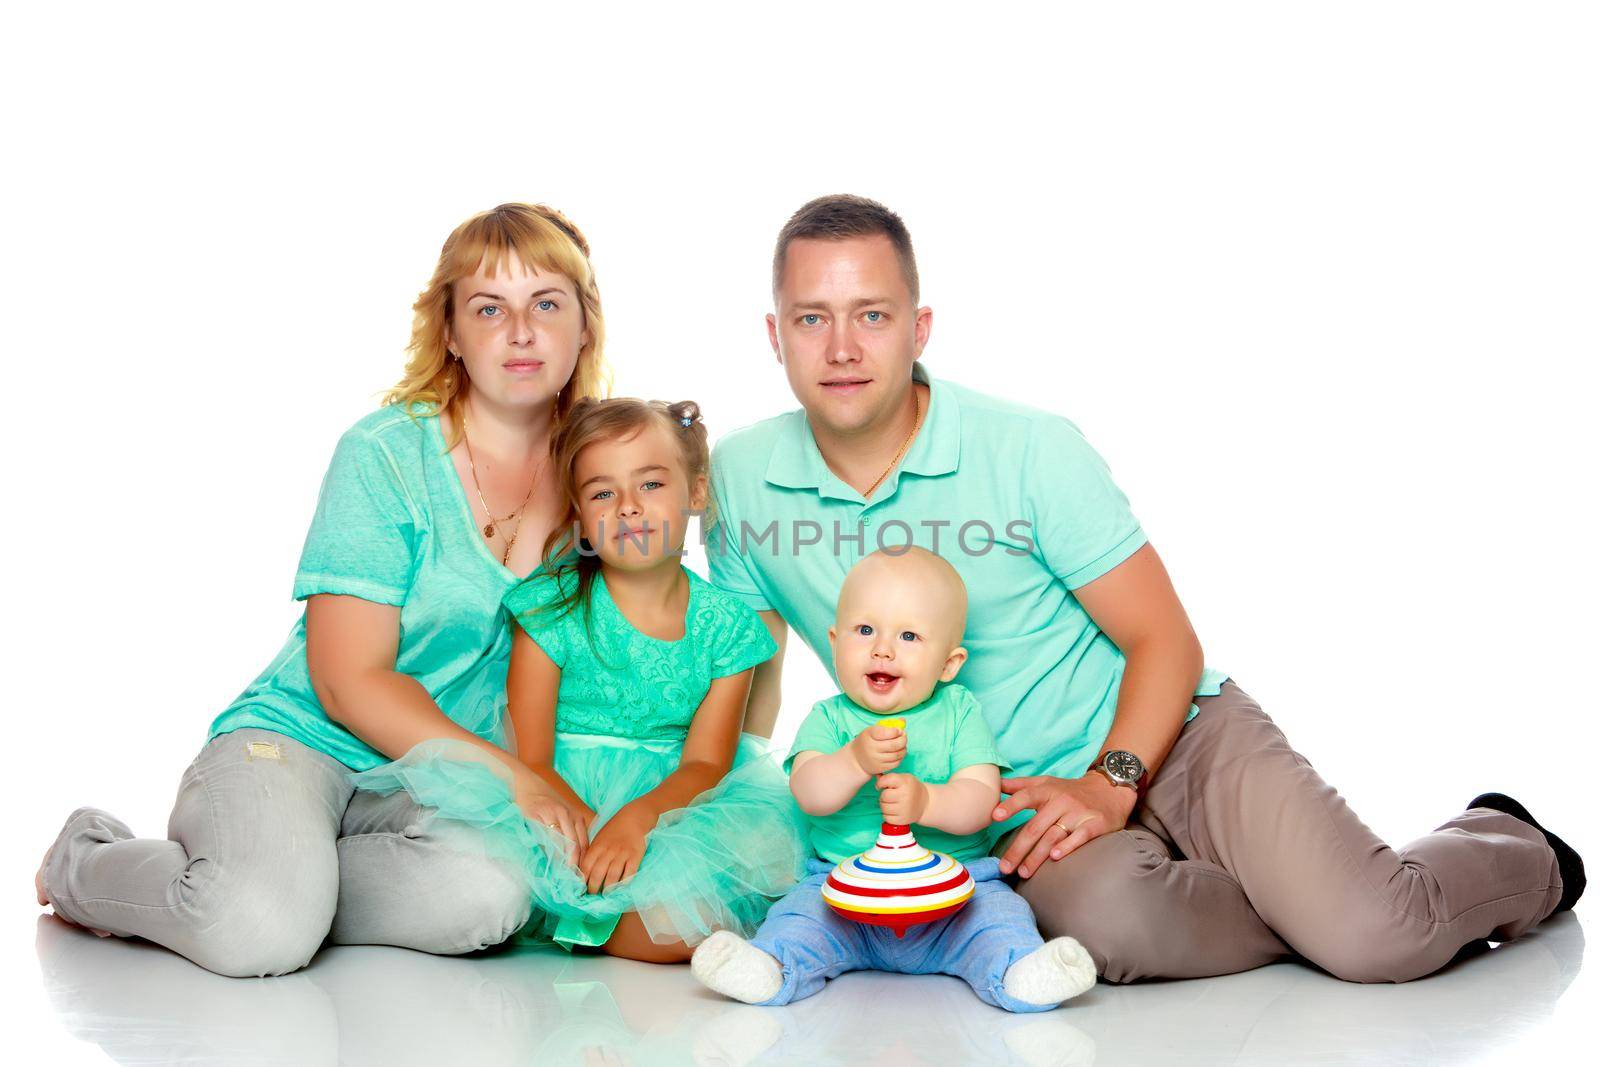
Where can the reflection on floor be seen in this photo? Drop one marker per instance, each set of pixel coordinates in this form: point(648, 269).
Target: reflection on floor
point(391, 1007)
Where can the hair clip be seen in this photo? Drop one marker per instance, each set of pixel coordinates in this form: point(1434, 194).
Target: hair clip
point(687, 421)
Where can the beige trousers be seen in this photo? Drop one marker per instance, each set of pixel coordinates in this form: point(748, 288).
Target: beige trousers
point(1240, 854)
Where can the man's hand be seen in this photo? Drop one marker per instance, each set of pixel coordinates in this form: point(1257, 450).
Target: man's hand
point(1070, 813)
point(903, 798)
point(878, 749)
point(617, 850)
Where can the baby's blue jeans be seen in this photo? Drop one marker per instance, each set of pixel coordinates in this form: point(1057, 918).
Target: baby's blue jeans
point(977, 944)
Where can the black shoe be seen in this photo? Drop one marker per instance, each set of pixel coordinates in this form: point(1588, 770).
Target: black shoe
point(1568, 862)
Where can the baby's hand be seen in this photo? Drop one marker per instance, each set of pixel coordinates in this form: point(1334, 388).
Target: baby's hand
point(903, 798)
point(878, 748)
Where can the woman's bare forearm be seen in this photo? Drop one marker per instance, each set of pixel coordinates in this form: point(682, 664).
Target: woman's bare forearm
point(558, 785)
point(393, 713)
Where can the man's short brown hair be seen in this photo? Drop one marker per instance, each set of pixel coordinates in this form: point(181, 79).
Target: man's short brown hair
point(839, 216)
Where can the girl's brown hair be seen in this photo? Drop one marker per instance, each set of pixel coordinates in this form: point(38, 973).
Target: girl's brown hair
point(567, 556)
point(543, 239)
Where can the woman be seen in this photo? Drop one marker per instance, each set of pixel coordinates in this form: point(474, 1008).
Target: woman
point(432, 508)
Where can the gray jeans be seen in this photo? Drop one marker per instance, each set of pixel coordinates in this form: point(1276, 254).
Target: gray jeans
point(269, 854)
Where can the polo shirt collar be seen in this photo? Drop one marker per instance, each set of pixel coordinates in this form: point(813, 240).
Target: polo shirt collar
point(937, 449)
point(798, 464)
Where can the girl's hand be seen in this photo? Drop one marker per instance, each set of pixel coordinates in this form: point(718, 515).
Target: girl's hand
point(585, 822)
point(1070, 813)
point(556, 814)
point(617, 850)
point(902, 797)
point(878, 749)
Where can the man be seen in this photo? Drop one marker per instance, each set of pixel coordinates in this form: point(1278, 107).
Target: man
point(1175, 831)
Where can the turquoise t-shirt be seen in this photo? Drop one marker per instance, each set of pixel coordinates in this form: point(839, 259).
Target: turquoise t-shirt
point(618, 682)
point(944, 733)
point(393, 526)
point(1015, 499)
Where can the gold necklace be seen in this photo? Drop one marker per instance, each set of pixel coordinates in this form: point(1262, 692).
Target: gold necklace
point(489, 527)
point(916, 423)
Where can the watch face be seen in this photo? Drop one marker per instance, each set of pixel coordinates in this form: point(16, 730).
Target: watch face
point(1124, 766)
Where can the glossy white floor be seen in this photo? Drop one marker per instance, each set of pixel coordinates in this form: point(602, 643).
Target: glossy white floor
point(126, 1002)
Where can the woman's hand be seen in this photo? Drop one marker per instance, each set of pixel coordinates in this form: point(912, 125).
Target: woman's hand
point(1070, 813)
point(617, 850)
point(546, 808)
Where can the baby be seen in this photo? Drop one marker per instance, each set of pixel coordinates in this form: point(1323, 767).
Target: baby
point(896, 643)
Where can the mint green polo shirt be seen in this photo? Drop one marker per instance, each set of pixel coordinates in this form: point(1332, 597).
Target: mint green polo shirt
point(1015, 499)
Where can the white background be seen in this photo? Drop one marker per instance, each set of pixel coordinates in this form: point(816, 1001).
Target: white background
point(1319, 282)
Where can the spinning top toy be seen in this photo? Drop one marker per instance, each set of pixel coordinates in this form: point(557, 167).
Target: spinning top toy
point(897, 883)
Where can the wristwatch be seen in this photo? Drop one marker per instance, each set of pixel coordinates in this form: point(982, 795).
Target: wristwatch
point(1122, 768)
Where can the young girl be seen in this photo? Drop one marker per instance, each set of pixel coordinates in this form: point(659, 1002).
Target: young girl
point(626, 692)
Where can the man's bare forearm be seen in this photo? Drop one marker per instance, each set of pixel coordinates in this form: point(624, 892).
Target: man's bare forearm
point(1158, 685)
point(766, 684)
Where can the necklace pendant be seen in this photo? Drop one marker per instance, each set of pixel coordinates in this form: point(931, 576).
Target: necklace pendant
point(488, 530)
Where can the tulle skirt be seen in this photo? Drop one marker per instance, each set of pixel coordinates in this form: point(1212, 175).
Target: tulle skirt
point(718, 863)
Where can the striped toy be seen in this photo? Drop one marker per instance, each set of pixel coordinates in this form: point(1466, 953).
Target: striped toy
point(897, 883)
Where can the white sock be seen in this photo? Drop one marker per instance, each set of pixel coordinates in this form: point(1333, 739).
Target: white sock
point(735, 968)
point(1056, 971)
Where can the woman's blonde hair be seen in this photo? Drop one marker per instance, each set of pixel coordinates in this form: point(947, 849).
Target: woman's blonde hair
point(589, 422)
point(543, 239)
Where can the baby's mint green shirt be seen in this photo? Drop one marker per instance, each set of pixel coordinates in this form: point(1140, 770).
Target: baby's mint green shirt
point(944, 733)
point(393, 526)
point(1015, 499)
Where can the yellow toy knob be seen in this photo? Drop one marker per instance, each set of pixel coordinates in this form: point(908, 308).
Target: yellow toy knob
point(894, 724)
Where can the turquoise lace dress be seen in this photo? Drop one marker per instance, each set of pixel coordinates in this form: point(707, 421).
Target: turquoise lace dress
point(623, 710)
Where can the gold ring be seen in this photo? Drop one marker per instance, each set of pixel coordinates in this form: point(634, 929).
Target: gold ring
point(1063, 829)
point(551, 825)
